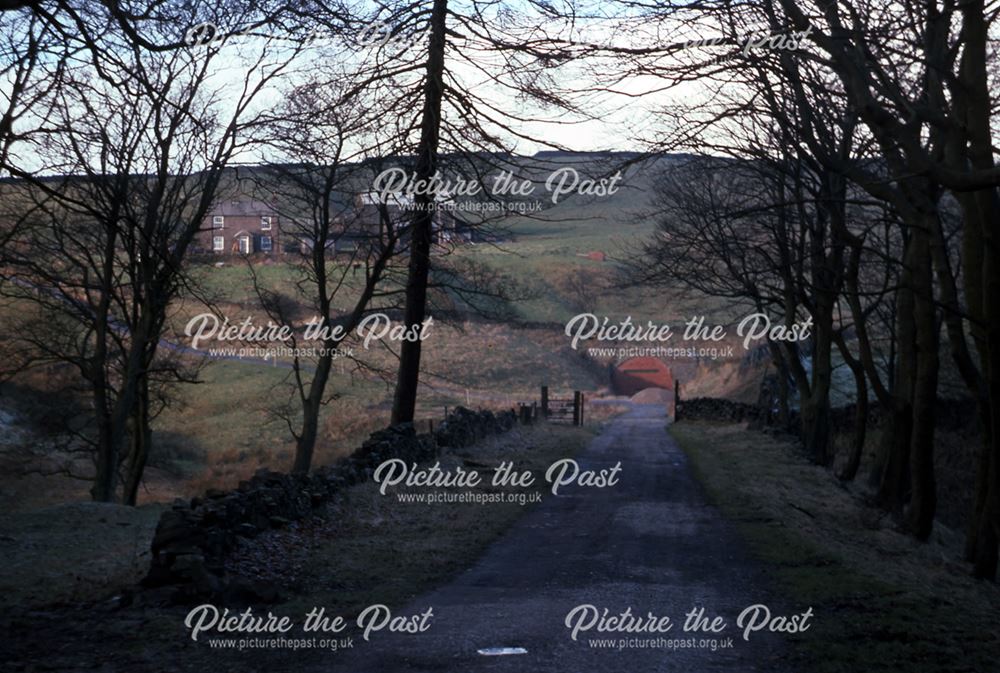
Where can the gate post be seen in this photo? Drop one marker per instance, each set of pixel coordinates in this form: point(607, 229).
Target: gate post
point(677, 400)
point(545, 402)
point(525, 414)
point(576, 407)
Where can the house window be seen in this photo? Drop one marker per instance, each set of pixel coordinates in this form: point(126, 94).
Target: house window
point(265, 223)
point(218, 243)
point(265, 243)
point(218, 222)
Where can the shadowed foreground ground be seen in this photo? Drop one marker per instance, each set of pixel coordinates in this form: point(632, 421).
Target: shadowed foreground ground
point(650, 543)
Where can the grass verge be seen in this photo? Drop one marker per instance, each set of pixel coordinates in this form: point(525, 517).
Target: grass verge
point(883, 602)
point(73, 552)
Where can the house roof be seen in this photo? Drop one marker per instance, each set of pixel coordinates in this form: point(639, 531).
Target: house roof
point(243, 207)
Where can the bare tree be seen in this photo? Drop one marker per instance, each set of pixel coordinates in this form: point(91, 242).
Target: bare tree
point(320, 199)
point(931, 119)
point(915, 78)
point(134, 139)
point(466, 88)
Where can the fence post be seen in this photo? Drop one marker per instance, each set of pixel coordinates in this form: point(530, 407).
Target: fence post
point(576, 407)
point(545, 402)
point(677, 400)
point(583, 405)
point(430, 425)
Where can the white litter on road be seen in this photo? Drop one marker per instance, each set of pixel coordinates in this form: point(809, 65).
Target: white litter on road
point(501, 651)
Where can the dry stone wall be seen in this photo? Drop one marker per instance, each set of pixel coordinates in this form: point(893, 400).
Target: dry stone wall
point(193, 538)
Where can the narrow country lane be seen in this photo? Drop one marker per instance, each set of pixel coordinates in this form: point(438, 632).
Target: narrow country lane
point(651, 543)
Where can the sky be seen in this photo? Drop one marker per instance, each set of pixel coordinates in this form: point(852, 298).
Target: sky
point(610, 121)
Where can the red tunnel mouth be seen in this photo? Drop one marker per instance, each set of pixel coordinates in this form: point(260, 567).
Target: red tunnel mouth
point(637, 374)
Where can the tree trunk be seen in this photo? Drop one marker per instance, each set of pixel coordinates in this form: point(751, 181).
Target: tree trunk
point(816, 410)
point(816, 428)
point(133, 387)
point(853, 464)
point(305, 443)
point(140, 442)
point(105, 462)
point(891, 472)
point(894, 448)
point(405, 398)
point(981, 266)
point(783, 388)
point(923, 497)
point(106, 459)
point(989, 519)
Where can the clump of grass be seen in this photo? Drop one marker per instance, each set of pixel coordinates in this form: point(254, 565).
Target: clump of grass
point(883, 602)
point(74, 552)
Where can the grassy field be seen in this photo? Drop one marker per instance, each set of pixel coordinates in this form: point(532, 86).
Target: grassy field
point(544, 251)
point(227, 425)
point(223, 428)
point(474, 363)
point(883, 602)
